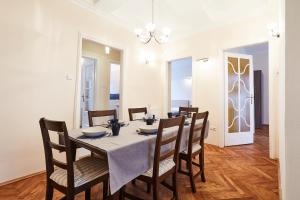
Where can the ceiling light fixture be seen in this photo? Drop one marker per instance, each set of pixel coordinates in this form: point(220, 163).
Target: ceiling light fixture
point(150, 32)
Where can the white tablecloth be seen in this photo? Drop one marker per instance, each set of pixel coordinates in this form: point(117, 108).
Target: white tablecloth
point(129, 154)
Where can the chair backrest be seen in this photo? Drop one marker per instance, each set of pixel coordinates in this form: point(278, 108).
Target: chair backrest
point(100, 113)
point(132, 111)
point(195, 138)
point(57, 127)
point(162, 141)
point(187, 110)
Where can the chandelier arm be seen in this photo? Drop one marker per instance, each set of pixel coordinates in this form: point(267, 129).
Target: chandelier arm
point(157, 40)
point(142, 39)
point(147, 41)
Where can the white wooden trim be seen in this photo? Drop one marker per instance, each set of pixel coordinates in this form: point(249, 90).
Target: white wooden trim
point(22, 178)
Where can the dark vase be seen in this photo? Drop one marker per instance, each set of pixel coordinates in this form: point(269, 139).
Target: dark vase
point(149, 121)
point(115, 126)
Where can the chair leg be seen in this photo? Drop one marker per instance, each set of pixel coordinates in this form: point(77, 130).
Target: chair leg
point(121, 193)
point(175, 190)
point(88, 194)
point(49, 191)
point(70, 196)
point(155, 190)
point(187, 165)
point(148, 187)
point(201, 163)
point(105, 189)
point(133, 182)
point(180, 164)
point(190, 168)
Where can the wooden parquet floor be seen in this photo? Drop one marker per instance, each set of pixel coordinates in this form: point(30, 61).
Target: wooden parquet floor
point(240, 172)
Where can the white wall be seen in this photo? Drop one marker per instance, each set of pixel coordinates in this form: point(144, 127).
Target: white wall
point(208, 78)
point(39, 46)
point(292, 99)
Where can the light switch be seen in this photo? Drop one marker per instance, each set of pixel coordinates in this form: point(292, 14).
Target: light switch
point(69, 77)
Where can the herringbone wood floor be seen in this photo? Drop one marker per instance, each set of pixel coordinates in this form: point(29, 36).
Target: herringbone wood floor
point(240, 172)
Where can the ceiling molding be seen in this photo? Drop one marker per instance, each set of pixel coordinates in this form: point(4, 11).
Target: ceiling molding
point(184, 18)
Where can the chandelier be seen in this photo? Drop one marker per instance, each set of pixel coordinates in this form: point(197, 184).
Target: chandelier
point(150, 32)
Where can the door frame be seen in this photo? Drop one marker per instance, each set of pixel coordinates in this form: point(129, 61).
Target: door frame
point(252, 129)
point(122, 49)
point(273, 113)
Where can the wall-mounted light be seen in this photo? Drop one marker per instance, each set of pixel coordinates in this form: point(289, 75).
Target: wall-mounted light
point(147, 57)
point(273, 30)
point(202, 60)
point(107, 50)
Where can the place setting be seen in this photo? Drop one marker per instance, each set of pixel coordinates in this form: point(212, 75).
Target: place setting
point(151, 126)
point(112, 128)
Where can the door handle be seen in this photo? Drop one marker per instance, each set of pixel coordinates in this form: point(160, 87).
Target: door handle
point(251, 99)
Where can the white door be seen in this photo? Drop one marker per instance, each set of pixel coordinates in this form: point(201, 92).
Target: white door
point(239, 104)
point(87, 89)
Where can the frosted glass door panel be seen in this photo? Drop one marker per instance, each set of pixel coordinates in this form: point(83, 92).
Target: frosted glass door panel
point(239, 99)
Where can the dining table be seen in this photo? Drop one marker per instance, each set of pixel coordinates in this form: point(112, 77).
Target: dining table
point(129, 154)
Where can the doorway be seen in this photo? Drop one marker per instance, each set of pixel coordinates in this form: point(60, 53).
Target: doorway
point(99, 81)
point(180, 84)
point(258, 94)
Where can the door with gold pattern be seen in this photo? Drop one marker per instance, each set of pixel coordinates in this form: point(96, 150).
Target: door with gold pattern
point(239, 102)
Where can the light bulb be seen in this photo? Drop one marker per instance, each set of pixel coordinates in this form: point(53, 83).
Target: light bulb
point(164, 39)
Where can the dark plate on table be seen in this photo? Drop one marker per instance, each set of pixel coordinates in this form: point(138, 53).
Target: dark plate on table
point(146, 134)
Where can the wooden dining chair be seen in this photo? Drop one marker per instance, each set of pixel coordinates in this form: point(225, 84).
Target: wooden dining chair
point(165, 163)
point(101, 113)
point(132, 111)
point(195, 148)
point(71, 177)
point(188, 111)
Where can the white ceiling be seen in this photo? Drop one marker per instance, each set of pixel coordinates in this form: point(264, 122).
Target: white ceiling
point(183, 17)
